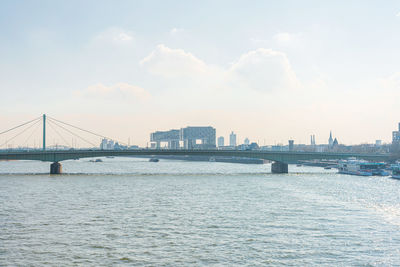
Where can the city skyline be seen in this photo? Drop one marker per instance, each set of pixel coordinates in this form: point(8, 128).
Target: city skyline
point(282, 71)
point(190, 137)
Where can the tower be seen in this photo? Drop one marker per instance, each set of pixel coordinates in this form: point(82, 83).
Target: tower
point(221, 141)
point(330, 141)
point(44, 131)
point(232, 139)
point(291, 145)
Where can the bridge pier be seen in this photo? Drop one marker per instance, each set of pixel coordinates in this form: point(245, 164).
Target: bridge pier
point(279, 167)
point(55, 168)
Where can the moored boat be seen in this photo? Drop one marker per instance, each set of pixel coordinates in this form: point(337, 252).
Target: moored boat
point(362, 168)
point(396, 172)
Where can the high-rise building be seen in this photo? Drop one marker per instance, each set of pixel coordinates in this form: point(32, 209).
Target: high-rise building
point(246, 141)
point(313, 140)
point(232, 139)
point(396, 141)
point(190, 135)
point(103, 144)
point(107, 144)
point(221, 141)
point(396, 136)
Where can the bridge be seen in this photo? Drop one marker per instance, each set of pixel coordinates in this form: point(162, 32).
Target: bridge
point(280, 159)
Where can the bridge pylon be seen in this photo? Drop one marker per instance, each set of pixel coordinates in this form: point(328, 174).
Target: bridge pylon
point(44, 131)
point(279, 167)
point(56, 168)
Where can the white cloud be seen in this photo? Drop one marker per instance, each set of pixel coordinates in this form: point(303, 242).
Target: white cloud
point(398, 14)
point(121, 91)
point(261, 70)
point(115, 36)
point(173, 63)
point(264, 69)
point(175, 31)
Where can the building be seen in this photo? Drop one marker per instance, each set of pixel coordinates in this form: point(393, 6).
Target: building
point(232, 139)
point(191, 137)
point(171, 137)
point(221, 141)
point(198, 137)
point(246, 141)
point(396, 136)
point(107, 144)
point(335, 143)
point(330, 140)
point(291, 145)
point(103, 144)
point(313, 140)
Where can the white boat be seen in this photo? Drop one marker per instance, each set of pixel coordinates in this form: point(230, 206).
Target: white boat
point(362, 168)
point(396, 171)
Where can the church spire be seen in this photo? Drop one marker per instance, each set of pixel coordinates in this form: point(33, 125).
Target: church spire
point(330, 139)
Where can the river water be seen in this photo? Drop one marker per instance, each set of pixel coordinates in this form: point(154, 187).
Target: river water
point(132, 212)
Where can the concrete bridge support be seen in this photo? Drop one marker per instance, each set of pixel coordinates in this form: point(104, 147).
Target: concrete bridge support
point(279, 167)
point(55, 168)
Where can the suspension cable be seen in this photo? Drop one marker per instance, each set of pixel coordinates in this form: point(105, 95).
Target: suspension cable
point(99, 135)
point(62, 137)
point(20, 125)
point(33, 132)
point(15, 136)
point(74, 134)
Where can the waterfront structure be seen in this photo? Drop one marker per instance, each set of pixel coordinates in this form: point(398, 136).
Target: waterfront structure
point(232, 139)
point(221, 141)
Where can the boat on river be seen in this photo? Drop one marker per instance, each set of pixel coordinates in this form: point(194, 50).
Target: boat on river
point(396, 171)
point(362, 168)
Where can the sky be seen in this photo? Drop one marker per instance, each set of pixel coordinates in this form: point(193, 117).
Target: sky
point(267, 70)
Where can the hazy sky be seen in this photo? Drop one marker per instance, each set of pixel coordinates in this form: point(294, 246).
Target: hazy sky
point(268, 70)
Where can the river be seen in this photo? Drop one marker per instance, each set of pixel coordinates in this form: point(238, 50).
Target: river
point(128, 211)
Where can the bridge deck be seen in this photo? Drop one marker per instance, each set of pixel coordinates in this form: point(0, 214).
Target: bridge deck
point(286, 157)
